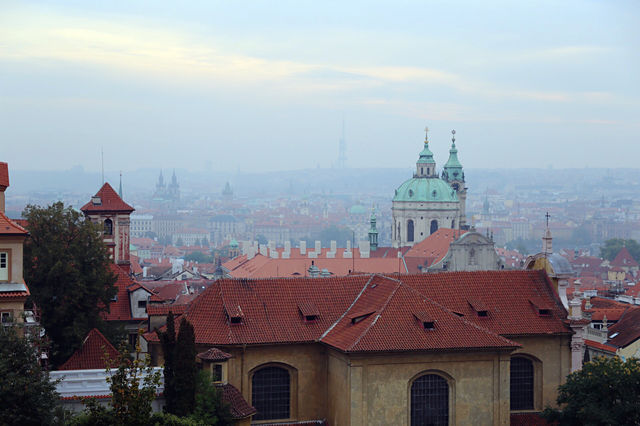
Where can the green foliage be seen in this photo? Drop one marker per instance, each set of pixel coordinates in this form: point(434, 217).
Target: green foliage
point(198, 256)
point(27, 395)
point(185, 370)
point(166, 419)
point(67, 267)
point(611, 248)
point(210, 409)
point(605, 392)
point(168, 343)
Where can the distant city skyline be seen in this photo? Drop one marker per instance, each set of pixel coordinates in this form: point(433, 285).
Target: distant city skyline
point(260, 86)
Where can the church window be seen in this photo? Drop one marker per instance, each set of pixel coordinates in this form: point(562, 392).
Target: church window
point(430, 400)
point(521, 386)
point(434, 193)
point(428, 170)
point(270, 393)
point(410, 230)
point(453, 224)
point(411, 193)
point(421, 170)
point(434, 226)
point(4, 266)
point(108, 227)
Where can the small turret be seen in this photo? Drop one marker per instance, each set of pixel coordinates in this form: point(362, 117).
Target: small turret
point(547, 241)
point(426, 165)
point(454, 176)
point(373, 232)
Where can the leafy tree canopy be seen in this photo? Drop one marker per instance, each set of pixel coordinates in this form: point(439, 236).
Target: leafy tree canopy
point(605, 392)
point(611, 248)
point(198, 256)
point(28, 396)
point(210, 409)
point(66, 266)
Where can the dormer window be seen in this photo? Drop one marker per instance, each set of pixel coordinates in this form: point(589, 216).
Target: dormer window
point(425, 320)
point(309, 311)
point(542, 307)
point(234, 314)
point(96, 201)
point(359, 317)
point(479, 308)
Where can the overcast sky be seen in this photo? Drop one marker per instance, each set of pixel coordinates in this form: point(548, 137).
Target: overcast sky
point(253, 85)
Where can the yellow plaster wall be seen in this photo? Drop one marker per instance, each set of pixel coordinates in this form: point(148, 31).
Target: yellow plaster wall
point(14, 244)
point(554, 353)
point(309, 391)
point(338, 388)
point(632, 350)
point(380, 387)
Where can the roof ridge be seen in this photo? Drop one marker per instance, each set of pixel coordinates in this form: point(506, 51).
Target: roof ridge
point(464, 320)
point(386, 303)
point(345, 312)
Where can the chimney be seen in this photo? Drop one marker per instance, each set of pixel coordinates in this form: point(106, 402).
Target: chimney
point(303, 247)
point(334, 246)
point(318, 247)
point(4, 183)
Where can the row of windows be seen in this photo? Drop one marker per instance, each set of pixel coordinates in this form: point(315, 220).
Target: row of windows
point(271, 393)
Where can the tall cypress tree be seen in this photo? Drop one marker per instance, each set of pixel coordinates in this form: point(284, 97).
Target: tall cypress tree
point(168, 343)
point(185, 373)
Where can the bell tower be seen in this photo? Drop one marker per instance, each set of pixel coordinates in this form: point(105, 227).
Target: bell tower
point(107, 209)
point(454, 176)
point(426, 165)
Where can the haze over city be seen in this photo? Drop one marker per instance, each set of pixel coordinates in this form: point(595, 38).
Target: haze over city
point(264, 86)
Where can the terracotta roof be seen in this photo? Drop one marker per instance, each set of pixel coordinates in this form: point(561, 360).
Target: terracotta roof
point(214, 354)
point(505, 294)
point(91, 355)
point(600, 346)
point(627, 329)
point(395, 317)
point(624, 259)
point(270, 310)
point(436, 246)
point(110, 201)
point(120, 309)
point(240, 408)
point(9, 227)
point(4, 174)
point(159, 309)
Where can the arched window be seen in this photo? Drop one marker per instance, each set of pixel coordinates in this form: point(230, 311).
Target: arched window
point(453, 224)
point(271, 393)
point(434, 226)
point(410, 230)
point(521, 385)
point(108, 227)
point(430, 400)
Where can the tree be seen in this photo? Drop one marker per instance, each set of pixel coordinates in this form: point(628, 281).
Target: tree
point(185, 369)
point(133, 388)
point(611, 248)
point(67, 267)
point(210, 409)
point(168, 343)
point(28, 396)
point(605, 392)
point(198, 256)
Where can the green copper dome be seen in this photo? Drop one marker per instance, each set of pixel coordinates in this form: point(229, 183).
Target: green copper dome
point(426, 190)
point(426, 156)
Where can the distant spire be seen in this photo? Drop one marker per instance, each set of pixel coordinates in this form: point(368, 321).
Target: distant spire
point(120, 188)
point(547, 241)
point(373, 231)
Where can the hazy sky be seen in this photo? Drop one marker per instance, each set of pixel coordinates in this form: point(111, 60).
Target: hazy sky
point(265, 85)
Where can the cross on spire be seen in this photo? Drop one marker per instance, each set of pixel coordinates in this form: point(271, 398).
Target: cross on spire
point(547, 216)
point(426, 134)
point(453, 136)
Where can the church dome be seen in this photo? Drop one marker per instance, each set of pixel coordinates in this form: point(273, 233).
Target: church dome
point(426, 190)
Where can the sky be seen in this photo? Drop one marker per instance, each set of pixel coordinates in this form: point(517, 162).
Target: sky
point(254, 86)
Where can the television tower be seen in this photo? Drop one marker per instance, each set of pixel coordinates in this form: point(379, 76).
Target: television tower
point(342, 150)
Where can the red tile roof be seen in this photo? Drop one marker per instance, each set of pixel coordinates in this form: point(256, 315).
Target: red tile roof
point(9, 227)
point(240, 408)
point(91, 355)
point(160, 309)
point(436, 246)
point(214, 354)
point(110, 202)
point(628, 329)
point(4, 175)
point(120, 309)
point(600, 346)
point(271, 310)
point(624, 259)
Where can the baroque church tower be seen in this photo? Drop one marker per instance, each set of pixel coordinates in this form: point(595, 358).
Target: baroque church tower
point(427, 202)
